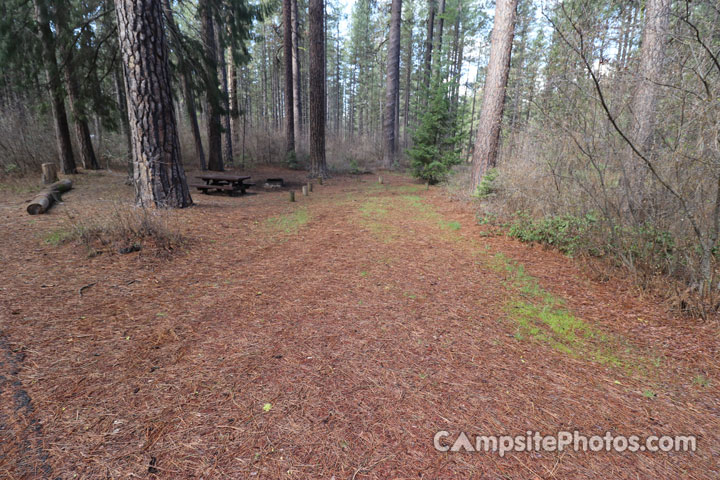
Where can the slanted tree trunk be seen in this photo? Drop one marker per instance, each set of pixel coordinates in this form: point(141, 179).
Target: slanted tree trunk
point(159, 174)
point(62, 131)
point(82, 131)
point(488, 135)
point(392, 85)
point(297, 82)
point(318, 167)
point(289, 83)
point(214, 129)
point(124, 123)
point(189, 96)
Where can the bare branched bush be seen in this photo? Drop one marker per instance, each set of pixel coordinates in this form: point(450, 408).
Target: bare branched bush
point(124, 229)
point(578, 167)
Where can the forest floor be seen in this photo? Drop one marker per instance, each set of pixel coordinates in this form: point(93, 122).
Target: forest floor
point(330, 338)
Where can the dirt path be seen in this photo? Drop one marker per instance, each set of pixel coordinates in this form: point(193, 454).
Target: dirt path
point(332, 338)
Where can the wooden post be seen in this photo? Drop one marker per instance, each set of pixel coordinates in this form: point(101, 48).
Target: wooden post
point(380, 180)
point(427, 185)
point(309, 185)
point(292, 196)
point(49, 173)
point(320, 179)
point(305, 190)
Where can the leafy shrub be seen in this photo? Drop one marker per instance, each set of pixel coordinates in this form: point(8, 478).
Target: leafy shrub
point(568, 233)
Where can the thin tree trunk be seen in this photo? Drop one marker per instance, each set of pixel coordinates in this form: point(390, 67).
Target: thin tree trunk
point(82, 130)
point(124, 122)
point(652, 64)
point(227, 145)
point(318, 167)
point(215, 161)
point(191, 111)
point(644, 104)
point(392, 85)
point(488, 136)
point(439, 45)
point(62, 131)
point(429, 47)
point(233, 99)
point(297, 82)
point(159, 175)
point(289, 83)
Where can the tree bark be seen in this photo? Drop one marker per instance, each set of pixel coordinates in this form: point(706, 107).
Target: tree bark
point(189, 96)
point(297, 82)
point(318, 166)
point(289, 83)
point(214, 130)
point(44, 200)
point(439, 43)
point(429, 47)
point(159, 175)
point(644, 103)
point(488, 136)
point(62, 131)
point(652, 62)
point(392, 85)
point(82, 131)
point(227, 144)
point(124, 123)
point(234, 106)
point(191, 111)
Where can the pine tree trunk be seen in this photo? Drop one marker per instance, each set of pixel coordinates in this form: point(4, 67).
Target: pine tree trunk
point(159, 174)
point(488, 135)
point(438, 46)
point(234, 106)
point(408, 85)
point(227, 145)
point(644, 104)
point(652, 64)
point(214, 144)
point(318, 167)
point(62, 131)
point(429, 47)
point(191, 111)
point(82, 131)
point(124, 123)
point(392, 85)
point(289, 81)
point(297, 82)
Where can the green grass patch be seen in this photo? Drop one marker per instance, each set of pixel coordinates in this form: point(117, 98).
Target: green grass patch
point(454, 225)
point(542, 317)
point(289, 223)
point(59, 237)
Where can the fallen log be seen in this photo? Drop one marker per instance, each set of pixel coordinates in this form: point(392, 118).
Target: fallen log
point(44, 200)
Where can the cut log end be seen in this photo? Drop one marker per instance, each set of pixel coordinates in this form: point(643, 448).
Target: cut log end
point(44, 200)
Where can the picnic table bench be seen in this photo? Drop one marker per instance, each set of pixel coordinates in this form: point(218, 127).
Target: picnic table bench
point(222, 182)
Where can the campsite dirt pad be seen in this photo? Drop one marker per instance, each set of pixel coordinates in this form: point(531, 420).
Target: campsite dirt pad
point(330, 338)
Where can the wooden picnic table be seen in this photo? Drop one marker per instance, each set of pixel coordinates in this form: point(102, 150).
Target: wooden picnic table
point(222, 182)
